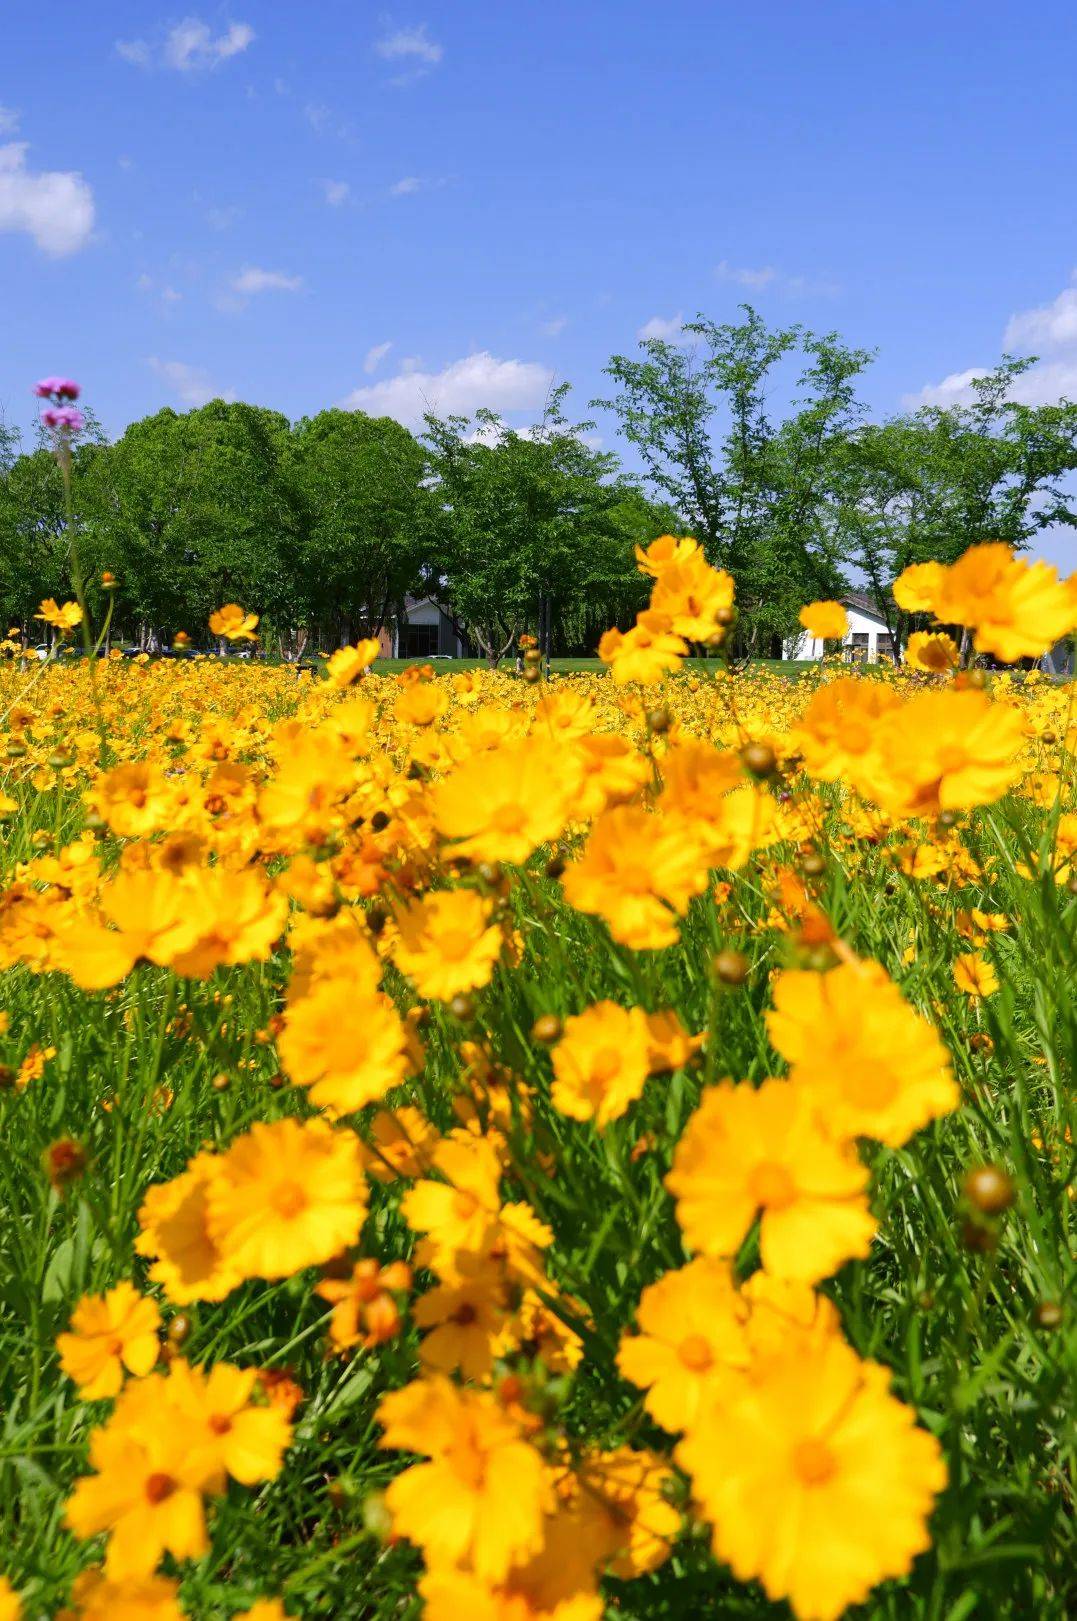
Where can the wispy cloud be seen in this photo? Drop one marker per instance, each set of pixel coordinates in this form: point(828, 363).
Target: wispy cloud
point(374, 357)
point(554, 327)
point(160, 293)
point(188, 384)
point(460, 388)
point(413, 48)
point(54, 207)
point(757, 279)
point(335, 192)
point(407, 187)
point(188, 47)
point(252, 279)
point(9, 120)
point(666, 329)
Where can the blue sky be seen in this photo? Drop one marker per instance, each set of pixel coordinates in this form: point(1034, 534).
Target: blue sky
point(309, 204)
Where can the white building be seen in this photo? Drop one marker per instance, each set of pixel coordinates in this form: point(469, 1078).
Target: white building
point(426, 631)
point(866, 641)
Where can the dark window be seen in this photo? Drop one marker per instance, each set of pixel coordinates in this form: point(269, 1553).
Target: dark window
point(418, 641)
point(885, 646)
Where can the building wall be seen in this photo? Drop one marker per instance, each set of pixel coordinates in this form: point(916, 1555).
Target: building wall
point(427, 632)
point(867, 638)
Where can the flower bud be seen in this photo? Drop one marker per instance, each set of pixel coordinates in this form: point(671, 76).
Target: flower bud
point(813, 865)
point(989, 1190)
point(376, 1517)
point(760, 759)
point(462, 1007)
point(1048, 1316)
point(65, 1161)
point(179, 1329)
point(659, 720)
point(555, 866)
point(731, 967)
point(547, 1029)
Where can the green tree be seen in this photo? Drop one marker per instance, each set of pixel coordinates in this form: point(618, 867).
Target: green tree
point(358, 483)
point(927, 485)
point(526, 529)
point(193, 510)
point(756, 495)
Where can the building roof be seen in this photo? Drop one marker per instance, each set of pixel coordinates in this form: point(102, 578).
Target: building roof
point(863, 603)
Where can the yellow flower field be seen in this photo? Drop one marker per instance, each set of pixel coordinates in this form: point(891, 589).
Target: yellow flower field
point(504, 1149)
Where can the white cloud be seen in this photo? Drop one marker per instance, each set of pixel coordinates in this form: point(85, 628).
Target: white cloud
point(254, 280)
point(406, 187)
point(375, 356)
point(1052, 326)
point(160, 293)
point(410, 42)
point(55, 207)
point(756, 279)
point(335, 192)
point(9, 120)
point(667, 329)
point(135, 51)
point(190, 45)
point(221, 219)
point(460, 389)
point(554, 327)
point(190, 384)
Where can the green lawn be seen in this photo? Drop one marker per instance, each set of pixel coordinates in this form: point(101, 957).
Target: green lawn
point(574, 666)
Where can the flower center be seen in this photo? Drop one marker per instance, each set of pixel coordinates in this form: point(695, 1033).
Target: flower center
point(695, 1353)
point(605, 1065)
point(507, 818)
point(115, 1347)
point(220, 1423)
point(158, 1487)
point(771, 1186)
point(454, 944)
point(813, 1461)
point(464, 1315)
point(289, 1199)
point(464, 1205)
point(871, 1088)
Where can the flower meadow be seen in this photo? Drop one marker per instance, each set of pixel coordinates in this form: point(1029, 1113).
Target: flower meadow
point(497, 1148)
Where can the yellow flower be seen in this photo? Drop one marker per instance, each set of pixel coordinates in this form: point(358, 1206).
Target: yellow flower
point(873, 1065)
point(364, 1309)
point(692, 595)
point(932, 651)
point(974, 975)
point(267, 1609)
point(1018, 609)
point(748, 1152)
point(624, 1511)
point(421, 703)
point(226, 1433)
point(601, 1063)
point(10, 1606)
point(464, 1319)
point(839, 727)
point(664, 552)
point(63, 619)
point(944, 750)
point(481, 1498)
point(134, 800)
point(452, 1595)
point(917, 587)
point(233, 624)
point(826, 621)
point(109, 1333)
point(347, 663)
point(402, 1144)
point(464, 1216)
point(646, 652)
point(500, 805)
point(347, 1046)
point(230, 917)
point(638, 873)
point(174, 1222)
point(289, 1195)
point(147, 1598)
point(146, 1494)
point(816, 1481)
point(444, 943)
point(691, 1336)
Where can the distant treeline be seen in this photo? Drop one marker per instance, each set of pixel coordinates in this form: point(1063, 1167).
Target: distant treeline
point(327, 525)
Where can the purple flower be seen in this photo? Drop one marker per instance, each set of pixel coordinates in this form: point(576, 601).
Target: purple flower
point(62, 388)
point(64, 416)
